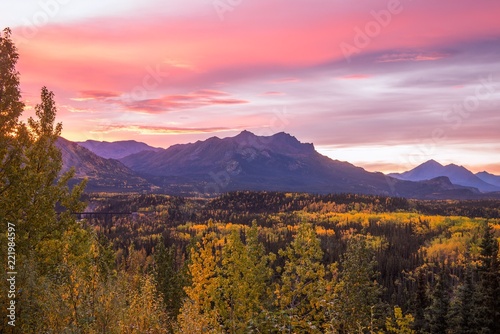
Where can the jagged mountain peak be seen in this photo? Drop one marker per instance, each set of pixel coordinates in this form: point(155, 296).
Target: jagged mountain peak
point(431, 163)
point(247, 161)
point(245, 134)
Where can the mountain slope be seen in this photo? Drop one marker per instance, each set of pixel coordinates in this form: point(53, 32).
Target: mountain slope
point(279, 162)
point(489, 178)
point(102, 174)
point(457, 174)
point(117, 149)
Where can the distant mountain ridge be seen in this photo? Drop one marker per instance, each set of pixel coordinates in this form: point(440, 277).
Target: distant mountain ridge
point(249, 162)
point(102, 174)
point(458, 175)
point(117, 149)
point(195, 158)
point(279, 162)
point(489, 178)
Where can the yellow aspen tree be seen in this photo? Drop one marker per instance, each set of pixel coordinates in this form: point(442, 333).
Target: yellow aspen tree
point(244, 274)
point(399, 323)
point(300, 294)
point(204, 292)
point(145, 312)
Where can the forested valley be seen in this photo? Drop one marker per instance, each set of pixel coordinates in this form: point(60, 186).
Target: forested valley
point(322, 263)
point(242, 262)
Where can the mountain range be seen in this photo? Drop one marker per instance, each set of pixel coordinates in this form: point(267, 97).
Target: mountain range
point(117, 149)
point(249, 162)
point(459, 175)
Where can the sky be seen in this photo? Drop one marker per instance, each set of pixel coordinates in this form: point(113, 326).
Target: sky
point(385, 85)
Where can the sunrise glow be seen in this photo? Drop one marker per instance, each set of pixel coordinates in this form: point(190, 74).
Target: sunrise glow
point(385, 85)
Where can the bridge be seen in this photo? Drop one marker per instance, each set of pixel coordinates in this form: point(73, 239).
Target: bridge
point(108, 216)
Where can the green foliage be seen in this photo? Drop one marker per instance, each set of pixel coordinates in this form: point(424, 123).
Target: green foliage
point(463, 315)
point(11, 106)
point(244, 275)
point(300, 294)
point(357, 293)
point(489, 288)
point(437, 312)
point(170, 277)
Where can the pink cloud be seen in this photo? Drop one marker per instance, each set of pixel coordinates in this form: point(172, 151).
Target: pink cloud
point(82, 55)
point(355, 77)
point(72, 109)
point(159, 130)
point(178, 102)
point(96, 95)
point(210, 92)
point(273, 94)
point(408, 56)
point(285, 80)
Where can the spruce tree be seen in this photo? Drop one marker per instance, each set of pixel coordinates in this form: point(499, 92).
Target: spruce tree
point(489, 287)
point(357, 293)
point(463, 309)
point(169, 277)
point(437, 312)
point(421, 301)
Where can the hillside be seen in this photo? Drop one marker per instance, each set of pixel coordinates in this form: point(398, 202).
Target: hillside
point(102, 174)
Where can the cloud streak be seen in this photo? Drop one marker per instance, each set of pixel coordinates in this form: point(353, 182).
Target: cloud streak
point(159, 130)
point(411, 56)
point(179, 102)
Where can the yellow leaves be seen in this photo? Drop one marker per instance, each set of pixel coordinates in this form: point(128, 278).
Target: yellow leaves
point(377, 243)
point(198, 228)
point(460, 236)
point(145, 313)
point(446, 249)
point(399, 323)
point(321, 231)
